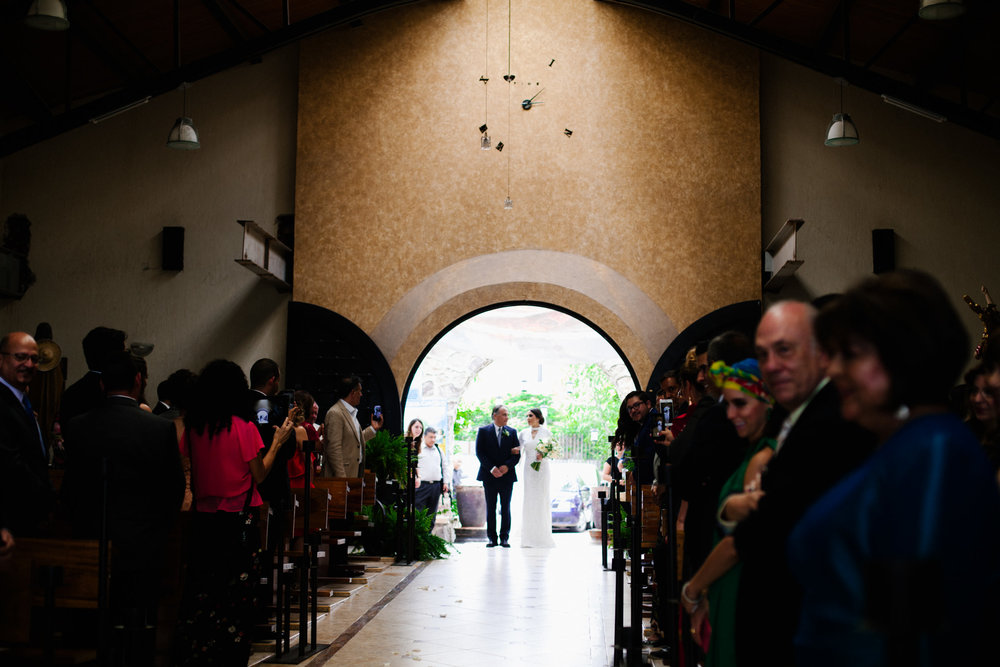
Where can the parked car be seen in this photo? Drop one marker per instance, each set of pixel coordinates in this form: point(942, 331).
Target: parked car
point(571, 505)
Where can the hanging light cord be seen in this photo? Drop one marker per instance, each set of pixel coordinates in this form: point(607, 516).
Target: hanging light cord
point(510, 83)
point(486, 74)
point(508, 36)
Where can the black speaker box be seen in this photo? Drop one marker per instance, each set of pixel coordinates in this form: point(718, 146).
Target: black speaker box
point(173, 248)
point(883, 250)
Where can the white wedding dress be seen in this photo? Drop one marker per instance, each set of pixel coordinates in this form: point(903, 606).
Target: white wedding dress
point(536, 515)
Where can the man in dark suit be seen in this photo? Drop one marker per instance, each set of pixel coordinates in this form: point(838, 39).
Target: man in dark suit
point(265, 379)
point(86, 393)
point(498, 451)
point(145, 486)
point(25, 494)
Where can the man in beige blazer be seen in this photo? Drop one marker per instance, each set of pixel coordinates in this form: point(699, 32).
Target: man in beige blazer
point(344, 446)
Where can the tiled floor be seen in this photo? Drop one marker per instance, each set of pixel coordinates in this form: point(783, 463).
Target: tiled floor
point(487, 607)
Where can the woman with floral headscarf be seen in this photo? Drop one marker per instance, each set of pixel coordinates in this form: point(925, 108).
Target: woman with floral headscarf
point(748, 407)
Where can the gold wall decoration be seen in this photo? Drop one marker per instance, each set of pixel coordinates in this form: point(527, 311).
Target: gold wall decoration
point(637, 182)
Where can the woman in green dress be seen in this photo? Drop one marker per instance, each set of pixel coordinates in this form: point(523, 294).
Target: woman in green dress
point(748, 406)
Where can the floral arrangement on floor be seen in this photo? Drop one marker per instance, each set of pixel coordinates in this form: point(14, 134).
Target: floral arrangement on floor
point(548, 448)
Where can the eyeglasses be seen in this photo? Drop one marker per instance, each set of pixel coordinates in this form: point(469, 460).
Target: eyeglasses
point(21, 357)
point(634, 406)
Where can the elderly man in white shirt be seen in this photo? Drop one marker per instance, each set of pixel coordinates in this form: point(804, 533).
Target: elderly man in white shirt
point(432, 480)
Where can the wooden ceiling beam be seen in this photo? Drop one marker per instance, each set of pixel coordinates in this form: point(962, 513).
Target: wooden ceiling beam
point(823, 63)
point(236, 35)
point(120, 35)
point(247, 51)
point(760, 17)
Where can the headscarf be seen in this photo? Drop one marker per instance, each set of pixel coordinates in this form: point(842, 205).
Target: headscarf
point(744, 376)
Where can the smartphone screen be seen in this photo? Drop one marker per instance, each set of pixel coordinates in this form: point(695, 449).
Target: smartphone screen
point(667, 411)
point(378, 411)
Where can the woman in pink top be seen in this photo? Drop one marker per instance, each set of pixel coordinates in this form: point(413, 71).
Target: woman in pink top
point(228, 461)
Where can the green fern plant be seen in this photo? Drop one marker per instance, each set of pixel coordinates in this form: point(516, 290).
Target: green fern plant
point(385, 455)
point(428, 545)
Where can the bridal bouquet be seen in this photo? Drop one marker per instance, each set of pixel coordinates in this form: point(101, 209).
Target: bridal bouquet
point(548, 449)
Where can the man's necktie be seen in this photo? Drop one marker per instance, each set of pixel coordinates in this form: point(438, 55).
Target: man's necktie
point(26, 402)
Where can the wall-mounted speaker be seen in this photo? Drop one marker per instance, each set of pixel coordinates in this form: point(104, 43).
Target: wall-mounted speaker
point(883, 250)
point(173, 249)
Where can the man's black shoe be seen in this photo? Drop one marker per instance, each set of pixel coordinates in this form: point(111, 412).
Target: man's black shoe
point(490, 545)
point(505, 545)
point(662, 654)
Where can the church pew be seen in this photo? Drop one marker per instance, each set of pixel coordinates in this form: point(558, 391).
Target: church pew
point(319, 508)
point(368, 493)
point(355, 496)
point(41, 576)
point(347, 498)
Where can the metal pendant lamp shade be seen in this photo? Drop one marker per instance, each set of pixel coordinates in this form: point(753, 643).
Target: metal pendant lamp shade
point(842, 131)
point(939, 10)
point(47, 15)
point(183, 135)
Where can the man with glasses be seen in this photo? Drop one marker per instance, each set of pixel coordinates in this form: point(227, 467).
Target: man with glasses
point(25, 493)
point(640, 408)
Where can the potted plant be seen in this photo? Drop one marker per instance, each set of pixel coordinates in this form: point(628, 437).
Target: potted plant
point(385, 455)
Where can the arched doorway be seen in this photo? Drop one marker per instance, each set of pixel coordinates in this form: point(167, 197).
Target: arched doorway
point(524, 355)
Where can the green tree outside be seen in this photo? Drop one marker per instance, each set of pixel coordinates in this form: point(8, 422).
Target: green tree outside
point(590, 405)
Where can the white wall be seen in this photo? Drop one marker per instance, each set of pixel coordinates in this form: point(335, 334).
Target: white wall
point(99, 196)
point(935, 184)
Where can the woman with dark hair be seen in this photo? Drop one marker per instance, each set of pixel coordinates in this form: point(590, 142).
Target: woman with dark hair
point(305, 432)
point(228, 461)
point(981, 407)
point(613, 466)
point(415, 431)
point(900, 562)
point(536, 511)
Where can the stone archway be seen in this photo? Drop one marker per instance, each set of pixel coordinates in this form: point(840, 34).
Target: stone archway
point(613, 305)
point(503, 347)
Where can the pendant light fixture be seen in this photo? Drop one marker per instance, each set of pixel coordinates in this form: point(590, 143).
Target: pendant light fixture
point(939, 10)
point(47, 15)
point(183, 135)
point(842, 131)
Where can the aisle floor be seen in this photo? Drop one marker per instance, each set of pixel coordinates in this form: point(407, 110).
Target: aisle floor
point(485, 607)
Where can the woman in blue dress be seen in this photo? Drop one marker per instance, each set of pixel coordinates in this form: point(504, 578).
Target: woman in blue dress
point(900, 562)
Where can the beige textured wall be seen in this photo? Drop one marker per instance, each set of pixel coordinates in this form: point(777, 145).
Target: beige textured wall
point(99, 196)
point(935, 184)
point(644, 220)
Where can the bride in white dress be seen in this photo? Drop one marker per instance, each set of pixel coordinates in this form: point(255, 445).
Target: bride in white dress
point(536, 516)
